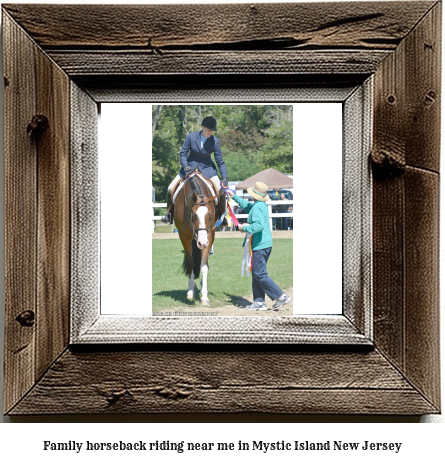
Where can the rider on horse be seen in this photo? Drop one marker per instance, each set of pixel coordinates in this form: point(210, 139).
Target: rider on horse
point(197, 150)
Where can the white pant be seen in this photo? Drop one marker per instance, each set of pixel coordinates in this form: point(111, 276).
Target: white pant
point(215, 181)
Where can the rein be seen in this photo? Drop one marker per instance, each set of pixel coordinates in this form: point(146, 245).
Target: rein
point(202, 203)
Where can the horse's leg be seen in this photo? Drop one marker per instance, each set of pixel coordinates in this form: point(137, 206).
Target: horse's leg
point(205, 269)
point(191, 290)
point(188, 266)
point(204, 272)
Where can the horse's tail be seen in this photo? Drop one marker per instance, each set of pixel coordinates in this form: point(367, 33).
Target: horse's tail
point(187, 265)
point(196, 254)
point(193, 262)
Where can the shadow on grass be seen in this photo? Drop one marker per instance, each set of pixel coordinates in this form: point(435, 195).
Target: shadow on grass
point(179, 295)
point(237, 301)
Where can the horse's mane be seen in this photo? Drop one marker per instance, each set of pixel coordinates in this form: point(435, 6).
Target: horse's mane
point(196, 188)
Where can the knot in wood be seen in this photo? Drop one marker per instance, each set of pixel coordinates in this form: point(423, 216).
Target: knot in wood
point(114, 397)
point(387, 163)
point(26, 318)
point(112, 394)
point(37, 126)
point(172, 392)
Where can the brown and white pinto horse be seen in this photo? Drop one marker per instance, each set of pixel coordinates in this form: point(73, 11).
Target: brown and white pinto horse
point(195, 217)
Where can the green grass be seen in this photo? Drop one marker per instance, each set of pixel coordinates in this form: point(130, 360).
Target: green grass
point(225, 283)
point(163, 228)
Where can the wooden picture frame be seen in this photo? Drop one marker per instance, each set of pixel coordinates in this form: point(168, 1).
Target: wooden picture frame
point(77, 55)
point(90, 323)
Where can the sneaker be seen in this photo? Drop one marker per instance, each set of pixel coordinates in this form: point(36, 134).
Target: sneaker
point(257, 306)
point(283, 300)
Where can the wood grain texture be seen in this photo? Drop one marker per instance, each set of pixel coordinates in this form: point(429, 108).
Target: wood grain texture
point(53, 198)
point(406, 222)
point(223, 382)
point(423, 92)
point(118, 62)
point(108, 329)
point(20, 213)
point(388, 268)
point(389, 143)
point(407, 113)
point(422, 281)
point(399, 42)
point(357, 209)
point(275, 25)
point(85, 248)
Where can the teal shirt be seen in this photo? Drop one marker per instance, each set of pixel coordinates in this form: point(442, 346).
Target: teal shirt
point(258, 220)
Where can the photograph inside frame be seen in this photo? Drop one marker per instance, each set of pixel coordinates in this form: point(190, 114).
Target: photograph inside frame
point(244, 209)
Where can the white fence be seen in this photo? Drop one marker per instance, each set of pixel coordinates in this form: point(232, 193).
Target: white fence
point(243, 215)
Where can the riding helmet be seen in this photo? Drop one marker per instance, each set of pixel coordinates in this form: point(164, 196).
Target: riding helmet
point(209, 122)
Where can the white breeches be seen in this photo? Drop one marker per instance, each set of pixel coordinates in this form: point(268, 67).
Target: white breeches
point(215, 181)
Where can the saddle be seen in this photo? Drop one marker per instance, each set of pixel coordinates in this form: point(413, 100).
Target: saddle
point(176, 189)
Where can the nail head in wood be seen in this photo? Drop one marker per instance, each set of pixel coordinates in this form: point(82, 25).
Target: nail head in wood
point(430, 97)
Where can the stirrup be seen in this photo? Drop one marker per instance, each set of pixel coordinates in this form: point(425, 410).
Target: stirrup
point(166, 218)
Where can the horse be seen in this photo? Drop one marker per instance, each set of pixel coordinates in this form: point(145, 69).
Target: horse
point(195, 217)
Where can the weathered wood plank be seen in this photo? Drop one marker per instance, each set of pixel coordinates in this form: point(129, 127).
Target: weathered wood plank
point(423, 91)
point(406, 132)
point(422, 281)
point(388, 267)
point(357, 209)
point(78, 62)
point(53, 263)
point(85, 241)
point(20, 213)
point(350, 24)
point(407, 112)
point(184, 382)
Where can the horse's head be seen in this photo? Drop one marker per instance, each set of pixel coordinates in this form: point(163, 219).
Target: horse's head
point(202, 219)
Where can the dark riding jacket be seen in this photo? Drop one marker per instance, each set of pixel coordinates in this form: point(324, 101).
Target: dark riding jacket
point(192, 154)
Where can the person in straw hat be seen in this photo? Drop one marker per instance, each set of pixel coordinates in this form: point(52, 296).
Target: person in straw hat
point(259, 226)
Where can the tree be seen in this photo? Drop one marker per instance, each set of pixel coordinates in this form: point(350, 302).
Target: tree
point(253, 137)
point(277, 151)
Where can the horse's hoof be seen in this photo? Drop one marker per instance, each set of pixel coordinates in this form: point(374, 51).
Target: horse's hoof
point(190, 296)
point(205, 302)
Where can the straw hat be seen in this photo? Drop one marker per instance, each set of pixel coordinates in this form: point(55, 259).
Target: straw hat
point(259, 192)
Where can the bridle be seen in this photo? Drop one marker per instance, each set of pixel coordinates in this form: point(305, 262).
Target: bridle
point(203, 204)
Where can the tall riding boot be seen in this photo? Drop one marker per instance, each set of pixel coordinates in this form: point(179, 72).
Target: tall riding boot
point(168, 218)
point(223, 206)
